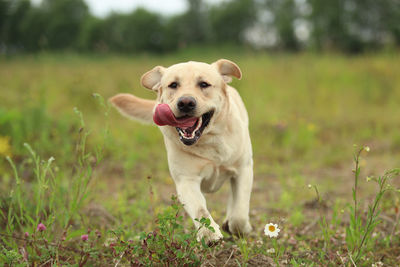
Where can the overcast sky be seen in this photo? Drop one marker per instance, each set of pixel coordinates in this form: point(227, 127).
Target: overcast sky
point(102, 8)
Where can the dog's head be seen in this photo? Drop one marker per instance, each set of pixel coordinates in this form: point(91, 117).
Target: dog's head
point(195, 92)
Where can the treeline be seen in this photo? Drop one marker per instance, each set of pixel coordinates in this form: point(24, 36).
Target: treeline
point(346, 25)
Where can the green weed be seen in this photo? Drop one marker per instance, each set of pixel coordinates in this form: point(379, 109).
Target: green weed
point(359, 230)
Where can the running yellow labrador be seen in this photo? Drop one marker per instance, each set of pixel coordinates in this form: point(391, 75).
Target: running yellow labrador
point(205, 128)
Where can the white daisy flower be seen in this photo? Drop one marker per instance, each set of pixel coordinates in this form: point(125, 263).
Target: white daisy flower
point(271, 250)
point(271, 230)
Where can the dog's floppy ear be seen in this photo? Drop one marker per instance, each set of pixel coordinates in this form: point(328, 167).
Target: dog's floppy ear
point(227, 69)
point(151, 79)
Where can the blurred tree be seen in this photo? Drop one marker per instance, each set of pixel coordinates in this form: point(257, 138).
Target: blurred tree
point(4, 12)
point(65, 19)
point(230, 19)
point(376, 23)
point(92, 35)
point(190, 27)
point(354, 25)
point(328, 19)
point(345, 25)
point(173, 36)
point(33, 30)
point(393, 19)
point(140, 30)
point(16, 13)
point(106, 35)
point(285, 14)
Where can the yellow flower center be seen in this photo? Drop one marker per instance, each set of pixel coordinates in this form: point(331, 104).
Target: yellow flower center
point(271, 228)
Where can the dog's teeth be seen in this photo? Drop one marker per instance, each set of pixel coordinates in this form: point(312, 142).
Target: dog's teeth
point(198, 125)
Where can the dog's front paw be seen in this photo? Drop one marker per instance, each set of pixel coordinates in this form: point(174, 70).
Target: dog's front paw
point(211, 238)
point(237, 226)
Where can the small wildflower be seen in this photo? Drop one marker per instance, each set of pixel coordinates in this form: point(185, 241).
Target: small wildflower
point(309, 186)
point(271, 230)
point(271, 250)
point(377, 264)
point(84, 237)
point(366, 148)
point(26, 234)
point(41, 227)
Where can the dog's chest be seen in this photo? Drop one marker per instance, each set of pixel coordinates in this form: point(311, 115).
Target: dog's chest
point(214, 176)
point(222, 158)
point(220, 151)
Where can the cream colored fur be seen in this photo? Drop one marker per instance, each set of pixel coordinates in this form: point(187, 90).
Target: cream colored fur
point(222, 153)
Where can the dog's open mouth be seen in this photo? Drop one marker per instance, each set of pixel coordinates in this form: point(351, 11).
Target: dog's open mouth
point(190, 135)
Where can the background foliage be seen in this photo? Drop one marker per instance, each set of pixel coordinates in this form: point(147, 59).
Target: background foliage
point(346, 25)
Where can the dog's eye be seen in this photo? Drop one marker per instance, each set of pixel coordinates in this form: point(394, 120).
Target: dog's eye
point(173, 85)
point(204, 85)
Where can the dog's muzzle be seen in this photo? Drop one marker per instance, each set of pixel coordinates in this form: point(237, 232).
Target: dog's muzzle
point(190, 135)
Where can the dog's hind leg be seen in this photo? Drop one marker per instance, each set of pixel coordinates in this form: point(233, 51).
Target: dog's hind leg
point(190, 195)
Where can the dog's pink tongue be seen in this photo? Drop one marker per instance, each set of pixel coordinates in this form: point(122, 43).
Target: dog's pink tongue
point(163, 116)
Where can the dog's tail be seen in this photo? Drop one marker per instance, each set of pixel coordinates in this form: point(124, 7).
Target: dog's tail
point(134, 107)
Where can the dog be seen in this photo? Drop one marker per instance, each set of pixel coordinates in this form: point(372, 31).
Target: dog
point(205, 127)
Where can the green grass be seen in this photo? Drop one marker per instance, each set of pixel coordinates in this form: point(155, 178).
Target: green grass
point(90, 171)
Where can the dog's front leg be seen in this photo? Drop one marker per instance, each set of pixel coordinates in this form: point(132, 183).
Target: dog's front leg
point(237, 220)
point(190, 195)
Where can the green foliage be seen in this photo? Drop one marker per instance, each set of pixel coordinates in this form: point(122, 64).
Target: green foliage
point(9, 257)
point(359, 231)
point(230, 20)
point(353, 26)
point(192, 27)
point(347, 25)
point(64, 21)
point(168, 243)
point(285, 15)
point(124, 33)
point(32, 124)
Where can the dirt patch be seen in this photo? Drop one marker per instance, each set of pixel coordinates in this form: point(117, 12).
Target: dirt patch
point(230, 257)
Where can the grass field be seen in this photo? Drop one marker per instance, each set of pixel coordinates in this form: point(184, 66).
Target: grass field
point(70, 162)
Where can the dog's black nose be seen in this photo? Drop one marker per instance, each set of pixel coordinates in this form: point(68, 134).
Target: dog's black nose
point(186, 104)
